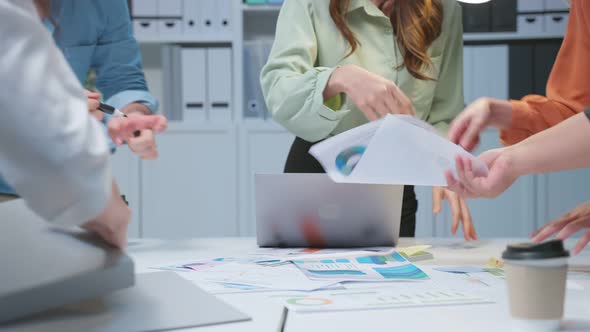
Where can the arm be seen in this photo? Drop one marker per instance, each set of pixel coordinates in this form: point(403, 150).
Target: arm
point(567, 86)
point(293, 88)
point(118, 63)
point(448, 98)
point(56, 157)
point(563, 147)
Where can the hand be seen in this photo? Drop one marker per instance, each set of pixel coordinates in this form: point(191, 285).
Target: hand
point(93, 103)
point(484, 112)
point(143, 145)
point(459, 210)
point(112, 223)
point(570, 223)
point(501, 175)
point(374, 95)
point(123, 129)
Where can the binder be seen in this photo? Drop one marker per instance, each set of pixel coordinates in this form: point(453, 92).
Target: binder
point(210, 17)
point(223, 18)
point(193, 18)
point(527, 6)
point(220, 83)
point(172, 85)
point(170, 18)
point(194, 84)
point(503, 15)
point(145, 24)
point(476, 17)
point(255, 56)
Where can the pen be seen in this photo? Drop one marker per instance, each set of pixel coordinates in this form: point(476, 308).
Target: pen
point(108, 109)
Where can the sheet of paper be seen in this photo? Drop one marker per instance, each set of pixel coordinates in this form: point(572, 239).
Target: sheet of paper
point(285, 277)
point(398, 149)
point(389, 266)
point(392, 297)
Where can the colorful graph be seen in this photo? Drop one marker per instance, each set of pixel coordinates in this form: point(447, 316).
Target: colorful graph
point(381, 260)
point(347, 160)
point(408, 271)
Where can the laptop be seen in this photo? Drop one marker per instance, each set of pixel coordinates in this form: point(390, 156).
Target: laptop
point(310, 210)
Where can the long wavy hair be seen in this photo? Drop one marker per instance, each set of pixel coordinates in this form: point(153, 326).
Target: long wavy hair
point(416, 23)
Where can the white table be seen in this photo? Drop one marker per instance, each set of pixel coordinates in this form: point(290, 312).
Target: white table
point(267, 313)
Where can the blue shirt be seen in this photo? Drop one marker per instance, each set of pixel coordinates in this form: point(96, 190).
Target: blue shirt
point(98, 34)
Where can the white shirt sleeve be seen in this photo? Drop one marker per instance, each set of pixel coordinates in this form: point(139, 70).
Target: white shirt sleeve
point(52, 151)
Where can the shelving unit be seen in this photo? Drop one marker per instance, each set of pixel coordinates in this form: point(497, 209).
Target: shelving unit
point(203, 183)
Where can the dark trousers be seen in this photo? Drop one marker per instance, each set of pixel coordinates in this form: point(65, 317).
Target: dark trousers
point(300, 161)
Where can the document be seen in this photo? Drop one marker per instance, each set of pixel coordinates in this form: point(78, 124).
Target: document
point(392, 297)
point(390, 266)
point(397, 150)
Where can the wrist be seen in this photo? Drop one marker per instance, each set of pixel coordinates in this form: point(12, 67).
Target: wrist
point(339, 81)
point(501, 111)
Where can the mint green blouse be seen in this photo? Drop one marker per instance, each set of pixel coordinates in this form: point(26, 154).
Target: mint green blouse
point(308, 47)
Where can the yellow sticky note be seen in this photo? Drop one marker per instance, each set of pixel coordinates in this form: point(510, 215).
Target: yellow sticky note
point(411, 251)
point(495, 263)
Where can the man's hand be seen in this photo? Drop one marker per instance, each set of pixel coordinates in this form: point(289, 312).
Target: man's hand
point(143, 145)
point(123, 129)
point(459, 211)
point(93, 103)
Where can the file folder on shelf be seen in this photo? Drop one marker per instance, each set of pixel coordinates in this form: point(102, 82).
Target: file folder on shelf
point(145, 22)
point(255, 57)
point(171, 75)
point(170, 18)
point(223, 18)
point(219, 76)
point(194, 84)
point(193, 17)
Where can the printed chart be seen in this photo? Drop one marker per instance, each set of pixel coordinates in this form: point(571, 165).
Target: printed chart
point(379, 267)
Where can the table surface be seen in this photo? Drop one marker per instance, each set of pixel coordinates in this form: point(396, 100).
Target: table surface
point(267, 313)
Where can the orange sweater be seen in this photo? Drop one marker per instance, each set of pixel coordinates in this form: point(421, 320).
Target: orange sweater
point(568, 88)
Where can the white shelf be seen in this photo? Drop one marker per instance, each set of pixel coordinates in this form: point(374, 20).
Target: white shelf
point(261, 8)
point(180, 39)
point(500, 36)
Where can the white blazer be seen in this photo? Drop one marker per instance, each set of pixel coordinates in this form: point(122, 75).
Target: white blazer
point(52, 151)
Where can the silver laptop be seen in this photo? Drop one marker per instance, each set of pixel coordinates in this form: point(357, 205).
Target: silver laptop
point(310, 210)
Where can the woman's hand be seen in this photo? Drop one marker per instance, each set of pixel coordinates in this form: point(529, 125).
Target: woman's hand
point(484, 112)
point(459, 211)
point(501, 175)
point(112, 223)
point(570, 223)
point(123, 129)
point(374, 95)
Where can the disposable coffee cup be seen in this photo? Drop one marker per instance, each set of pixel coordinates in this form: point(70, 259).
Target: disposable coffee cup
point(536, 277)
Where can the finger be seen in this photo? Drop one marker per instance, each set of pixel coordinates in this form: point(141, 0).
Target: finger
point(584, 240)
point(93, 104)
point(453, 184)
point(472, 132)
point(468, 229)
point(391, 104)
point(437, 194)
point(458, 128)
point(552, 227)
point(382, 110)
point(455, 212)
point(405, 104)
point(571, 229)
point(91, 94)
point(369, 113)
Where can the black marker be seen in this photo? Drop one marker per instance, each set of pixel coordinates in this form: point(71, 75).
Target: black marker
point(108, 109)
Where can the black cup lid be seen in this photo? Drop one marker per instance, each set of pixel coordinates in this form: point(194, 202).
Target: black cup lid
point(531, 251)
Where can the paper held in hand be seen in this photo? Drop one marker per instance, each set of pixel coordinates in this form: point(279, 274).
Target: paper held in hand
point(398, 149)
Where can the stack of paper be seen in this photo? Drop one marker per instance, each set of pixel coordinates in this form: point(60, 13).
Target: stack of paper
point(398, 149)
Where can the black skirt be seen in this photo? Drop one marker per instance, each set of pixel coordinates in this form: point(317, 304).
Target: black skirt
point(300, 161)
